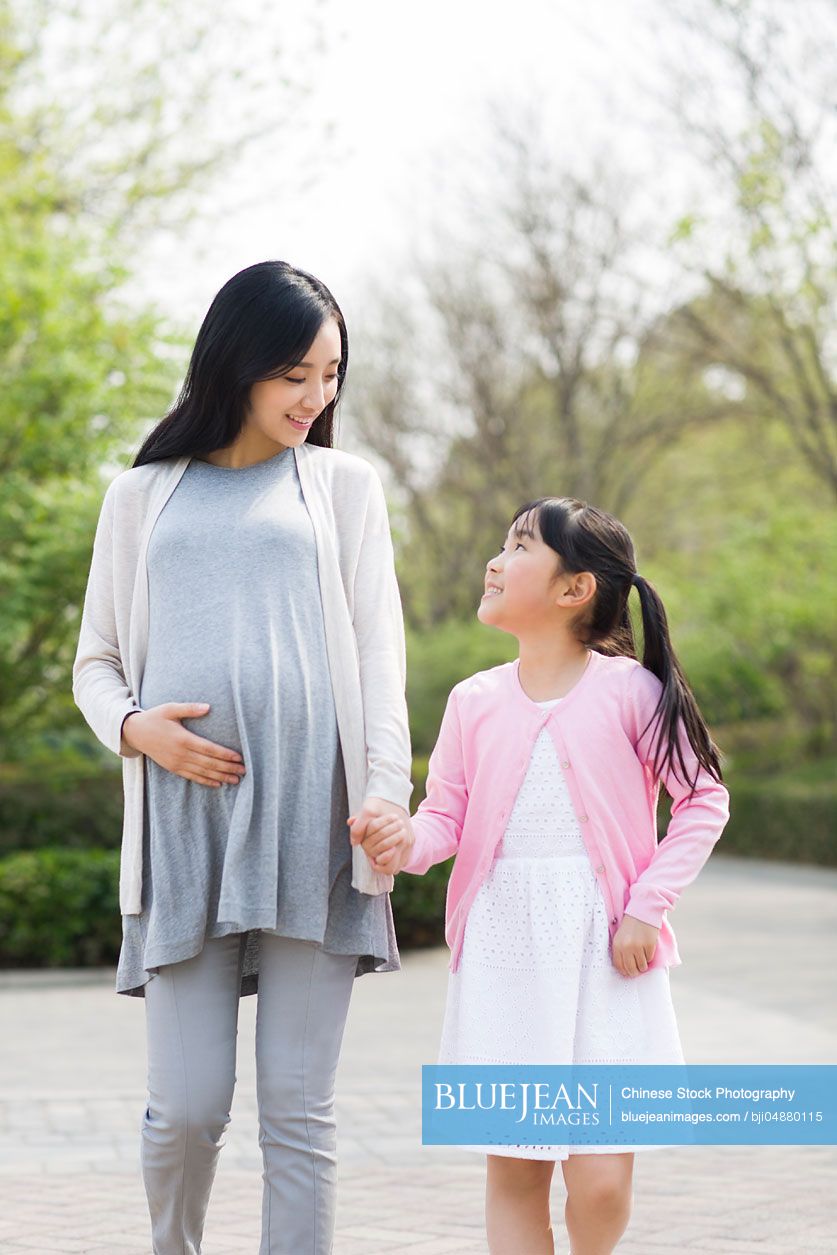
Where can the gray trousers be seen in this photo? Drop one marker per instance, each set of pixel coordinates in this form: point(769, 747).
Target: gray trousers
point(192, 1026)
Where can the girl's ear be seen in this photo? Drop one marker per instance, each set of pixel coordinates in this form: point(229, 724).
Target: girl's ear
point(580, 586)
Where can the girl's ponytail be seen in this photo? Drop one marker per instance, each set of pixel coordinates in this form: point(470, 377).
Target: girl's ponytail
point(676, 700)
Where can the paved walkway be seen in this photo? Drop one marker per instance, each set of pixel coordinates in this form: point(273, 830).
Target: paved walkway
point(757, 985)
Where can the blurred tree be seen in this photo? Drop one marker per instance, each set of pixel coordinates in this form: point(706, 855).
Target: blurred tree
point(546, 374)
point(762, 119)
point(136, 106)
point(702, 422)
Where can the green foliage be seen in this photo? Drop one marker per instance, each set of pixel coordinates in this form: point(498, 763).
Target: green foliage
point(81, 376)
point(58, 908)
point(418, 906)
point(762, 622)
point(68, 802)
point(788, 816)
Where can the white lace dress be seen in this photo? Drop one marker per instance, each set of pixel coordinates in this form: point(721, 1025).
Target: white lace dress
point(536, 983)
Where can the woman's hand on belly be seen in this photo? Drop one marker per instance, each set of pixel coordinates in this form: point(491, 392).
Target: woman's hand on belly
point(158, 733)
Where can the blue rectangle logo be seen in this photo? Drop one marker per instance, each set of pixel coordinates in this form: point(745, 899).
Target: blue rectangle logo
point(629, 1105)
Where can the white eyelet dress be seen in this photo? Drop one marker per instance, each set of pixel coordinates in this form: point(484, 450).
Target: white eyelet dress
point(536, 982)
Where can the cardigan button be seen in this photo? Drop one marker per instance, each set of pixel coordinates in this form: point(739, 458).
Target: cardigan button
point(583, 818)
point(565, 764)
point(613, 921)
point(600, 868)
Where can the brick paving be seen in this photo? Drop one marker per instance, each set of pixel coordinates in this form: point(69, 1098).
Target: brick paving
point(757, 985)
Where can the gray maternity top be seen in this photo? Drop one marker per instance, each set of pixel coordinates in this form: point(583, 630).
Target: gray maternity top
point(235, 620)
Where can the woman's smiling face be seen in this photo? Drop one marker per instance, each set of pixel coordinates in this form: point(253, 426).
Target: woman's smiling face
point(300, 394)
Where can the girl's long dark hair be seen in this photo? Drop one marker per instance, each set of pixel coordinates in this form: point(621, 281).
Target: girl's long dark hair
point(260, 324)
point(588, 539)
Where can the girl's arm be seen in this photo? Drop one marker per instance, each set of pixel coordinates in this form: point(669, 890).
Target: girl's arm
point(378, 621)
point(695, 824)
point(437, 823)
point(99, 687)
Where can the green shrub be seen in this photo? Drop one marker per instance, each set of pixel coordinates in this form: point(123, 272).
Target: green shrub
point(418, 906)
point(788, 816)
point(59, 908)
point(439, 659)
point(59, 805)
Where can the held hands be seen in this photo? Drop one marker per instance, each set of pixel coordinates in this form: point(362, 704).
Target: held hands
point(385, 833)
point(634, 943)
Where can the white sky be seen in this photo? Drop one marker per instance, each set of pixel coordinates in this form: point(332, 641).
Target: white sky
point(404, 87)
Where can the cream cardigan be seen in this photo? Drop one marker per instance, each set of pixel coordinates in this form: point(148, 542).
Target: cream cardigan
point(364, 632)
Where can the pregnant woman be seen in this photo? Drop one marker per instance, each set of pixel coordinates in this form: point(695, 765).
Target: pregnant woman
point(242, 648)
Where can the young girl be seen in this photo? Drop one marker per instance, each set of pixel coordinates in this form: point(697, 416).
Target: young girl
point(544, 783)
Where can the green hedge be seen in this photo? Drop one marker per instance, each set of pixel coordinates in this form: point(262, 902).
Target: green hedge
point(418, 906)
point(59, 908)
point(79, 808)
point(787, 816)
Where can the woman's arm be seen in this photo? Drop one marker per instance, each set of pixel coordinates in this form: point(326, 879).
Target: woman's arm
point(379, 630)
point(695, 824)
point(99, 687)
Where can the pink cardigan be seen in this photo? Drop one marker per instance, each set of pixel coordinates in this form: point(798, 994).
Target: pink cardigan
point(480, 758)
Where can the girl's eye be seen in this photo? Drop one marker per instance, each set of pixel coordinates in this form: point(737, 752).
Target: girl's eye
point(290, 380)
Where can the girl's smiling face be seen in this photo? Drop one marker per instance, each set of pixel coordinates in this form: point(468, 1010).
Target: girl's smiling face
point(527, 573)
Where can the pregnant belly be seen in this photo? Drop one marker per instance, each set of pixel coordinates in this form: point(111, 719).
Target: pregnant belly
point(221, 722)
point(237, 696)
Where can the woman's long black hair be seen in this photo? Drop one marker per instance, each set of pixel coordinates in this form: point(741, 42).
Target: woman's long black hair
point(588, 539)
point(260, 324)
